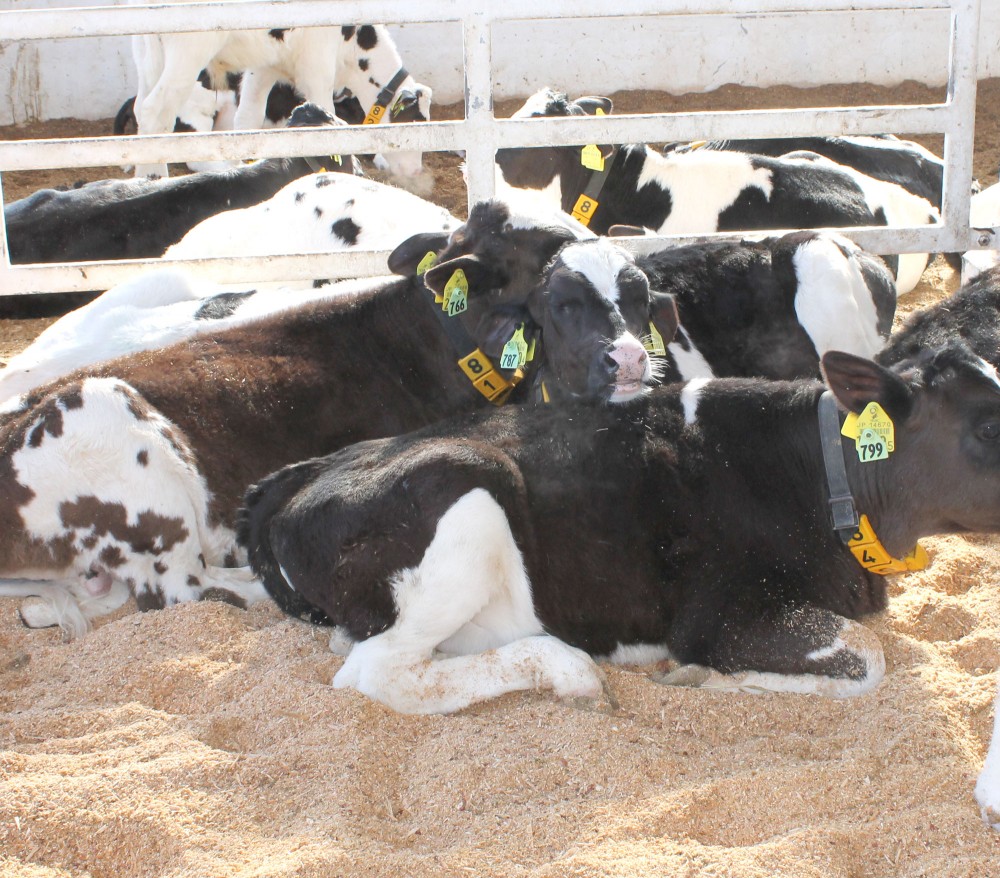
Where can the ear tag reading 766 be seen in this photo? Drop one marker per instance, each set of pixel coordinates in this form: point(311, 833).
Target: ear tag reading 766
point(872, 432)
point(515, 352)
point(590, 155)
point(456, 294)
point(655, 343)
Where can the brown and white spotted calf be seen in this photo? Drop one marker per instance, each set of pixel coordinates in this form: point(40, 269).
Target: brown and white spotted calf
point(693, 523)
point(128, 475)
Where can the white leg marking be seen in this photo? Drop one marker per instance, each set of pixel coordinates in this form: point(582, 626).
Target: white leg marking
point(988, 785)
point(853, 636)
point(470, 591)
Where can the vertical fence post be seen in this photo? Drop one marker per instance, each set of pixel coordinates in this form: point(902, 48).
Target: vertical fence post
point(480, 149)
point(959, 137)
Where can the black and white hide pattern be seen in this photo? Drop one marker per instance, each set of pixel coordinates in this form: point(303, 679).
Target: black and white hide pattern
point(141, 218)
point(882, 156)
point(770, 308)
point(322, 63)
point(708, 191)
point(501, 551)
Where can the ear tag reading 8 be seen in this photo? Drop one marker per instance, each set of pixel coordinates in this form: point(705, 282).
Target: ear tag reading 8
point(515, 352)
point(654, 344)
point(375, 115)
point(456, 294)
point(429, 260)
point(872, 432)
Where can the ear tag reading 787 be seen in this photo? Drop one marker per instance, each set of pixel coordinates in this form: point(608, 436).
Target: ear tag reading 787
point(515, 352)
point(456, 294)
point(872, 432)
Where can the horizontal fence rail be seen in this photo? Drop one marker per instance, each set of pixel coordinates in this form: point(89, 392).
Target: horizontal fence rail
point(479, 134)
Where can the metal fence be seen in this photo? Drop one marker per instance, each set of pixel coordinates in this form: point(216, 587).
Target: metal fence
point(480, 134)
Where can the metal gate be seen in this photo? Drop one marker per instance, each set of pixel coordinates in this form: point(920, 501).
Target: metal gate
point(479, 134)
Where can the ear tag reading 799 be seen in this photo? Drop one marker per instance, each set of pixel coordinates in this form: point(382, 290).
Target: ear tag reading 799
point(655, 343)
point(456, 294)
point(515, 352)
point(872, 432)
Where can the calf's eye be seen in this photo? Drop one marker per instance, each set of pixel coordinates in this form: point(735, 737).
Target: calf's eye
point(989, 431)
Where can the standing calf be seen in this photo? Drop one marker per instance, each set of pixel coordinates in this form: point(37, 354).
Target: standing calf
point(318, 61)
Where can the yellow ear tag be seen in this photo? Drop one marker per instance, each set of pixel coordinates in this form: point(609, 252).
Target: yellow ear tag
point(654, 344)
point(591, 158)
point(874, 434)
point(515, 352)
point(456, 294)
point(531, 350)
point(590, 155)
point(430, 258)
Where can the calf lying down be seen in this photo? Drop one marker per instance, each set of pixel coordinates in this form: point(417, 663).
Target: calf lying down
point(500, 552)
point(324, 212)
point(706, 191)
point(126, 477)
point(119, 219)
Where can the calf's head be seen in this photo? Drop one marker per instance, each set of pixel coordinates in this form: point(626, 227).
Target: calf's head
point(944, 474)
point(503, 255)
point(537, 168)
point(372, 71)
point(598, 316)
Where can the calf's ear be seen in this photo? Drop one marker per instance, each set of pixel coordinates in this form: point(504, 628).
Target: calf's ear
point(309, 115)
point(408, 255)
point(664, 315)
point(478, 274)
point(619, 230)
point(497, 327)
point(856, 382)
point(592, 103)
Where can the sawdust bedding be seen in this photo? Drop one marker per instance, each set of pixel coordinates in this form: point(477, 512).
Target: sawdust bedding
point(207, 741)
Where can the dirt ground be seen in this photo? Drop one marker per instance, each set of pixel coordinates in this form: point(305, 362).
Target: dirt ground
point(204, 740)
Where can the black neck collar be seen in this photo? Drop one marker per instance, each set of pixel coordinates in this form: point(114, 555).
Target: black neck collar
point(588, 202)
point(377, 112)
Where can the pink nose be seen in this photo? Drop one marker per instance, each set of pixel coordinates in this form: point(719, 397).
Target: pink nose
point(630, 356)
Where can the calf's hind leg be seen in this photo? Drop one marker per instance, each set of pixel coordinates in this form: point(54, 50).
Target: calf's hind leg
point(804, 649)
point(469, 590)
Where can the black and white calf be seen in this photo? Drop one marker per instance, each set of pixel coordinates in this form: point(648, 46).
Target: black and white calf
point(320, 212)
point(771, 308)
point(128, 475)
point(499, 552)
point(325, 212)
point(707, 191)
point(320, 62)
point(881, 156)
point(971, 314)
point(135, 219)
